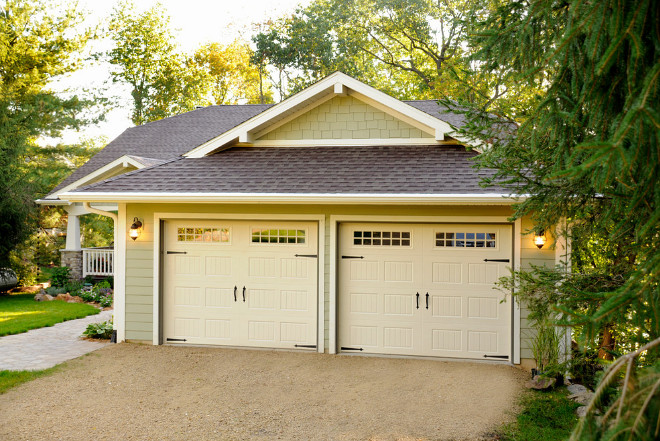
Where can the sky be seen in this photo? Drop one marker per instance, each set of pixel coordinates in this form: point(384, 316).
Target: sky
point(195, 22)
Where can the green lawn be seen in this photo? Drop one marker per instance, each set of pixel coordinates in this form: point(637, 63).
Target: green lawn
point(9, 379)
point(543, 416)
point(20, 313)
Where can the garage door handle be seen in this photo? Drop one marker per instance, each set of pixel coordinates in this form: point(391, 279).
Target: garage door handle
point(243, 293)
point(417, 300)
point(427, 300)
point(235, 289)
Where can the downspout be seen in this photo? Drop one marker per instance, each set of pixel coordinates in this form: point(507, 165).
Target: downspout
point(115, 223)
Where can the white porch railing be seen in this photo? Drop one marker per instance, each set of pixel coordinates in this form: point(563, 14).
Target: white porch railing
point(98, 261)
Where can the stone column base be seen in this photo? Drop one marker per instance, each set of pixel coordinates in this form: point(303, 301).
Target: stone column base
point(73, 260)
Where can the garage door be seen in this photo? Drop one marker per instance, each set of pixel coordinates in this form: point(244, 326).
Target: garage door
point(414, 289)
point(240, 283)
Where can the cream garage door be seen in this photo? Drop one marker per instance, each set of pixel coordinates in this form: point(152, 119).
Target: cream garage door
point(240, 283)
point(424, 289)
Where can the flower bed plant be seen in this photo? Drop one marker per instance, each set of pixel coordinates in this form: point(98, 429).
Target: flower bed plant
point(99, 330)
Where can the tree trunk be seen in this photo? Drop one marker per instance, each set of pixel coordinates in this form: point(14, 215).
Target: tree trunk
point(607, 344)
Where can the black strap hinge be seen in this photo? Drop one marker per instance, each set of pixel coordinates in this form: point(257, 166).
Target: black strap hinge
point(352, 257)
point(176, 339)
point(343, 348)
point(496, 260)
point(305, 346)
point(501, 357)
point(306, 255)
point(177, 252)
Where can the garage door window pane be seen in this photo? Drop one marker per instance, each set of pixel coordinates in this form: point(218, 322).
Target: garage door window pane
point(203, 235)
point(280, 237)
point(382, 238)
point(457, 239)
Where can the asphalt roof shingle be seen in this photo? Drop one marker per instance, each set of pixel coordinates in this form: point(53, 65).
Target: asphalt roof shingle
point(339, 170)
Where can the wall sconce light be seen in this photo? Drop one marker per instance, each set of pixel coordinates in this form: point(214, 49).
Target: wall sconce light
point(135, 230)
point(539, 239)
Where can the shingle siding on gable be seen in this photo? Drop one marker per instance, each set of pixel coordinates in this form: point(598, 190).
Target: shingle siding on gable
point(344, 118)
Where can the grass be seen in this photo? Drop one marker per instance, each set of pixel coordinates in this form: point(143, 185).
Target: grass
point(9, 379)
point(20, 313)
point(544, 416)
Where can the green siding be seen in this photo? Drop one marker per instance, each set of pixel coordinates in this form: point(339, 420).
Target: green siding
point(344, 118)
point(139, 254)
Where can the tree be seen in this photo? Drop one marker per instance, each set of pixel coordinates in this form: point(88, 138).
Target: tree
point(413, 49)
point(589, 153)
point(230, 75)
point(36, 46)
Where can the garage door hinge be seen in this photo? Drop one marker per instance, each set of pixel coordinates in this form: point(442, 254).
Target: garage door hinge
point(503, 357)
point(176, 339)
point(305, 346)
point(352, 257)
point(343, 348)
point(496, 260)
point(306, 255)
point(177, 252)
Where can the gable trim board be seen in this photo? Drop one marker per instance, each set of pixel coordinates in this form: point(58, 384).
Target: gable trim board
point(319, 91)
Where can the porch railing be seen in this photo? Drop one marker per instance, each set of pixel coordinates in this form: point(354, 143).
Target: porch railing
point(98, 261)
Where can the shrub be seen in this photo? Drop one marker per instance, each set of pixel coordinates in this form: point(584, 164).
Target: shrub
point(99, 330)
point(60, 276)
point(54, 290)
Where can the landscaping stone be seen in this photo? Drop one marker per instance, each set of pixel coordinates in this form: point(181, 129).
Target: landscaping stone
point(48, 297)
point(574, 389)
point(583, 398)
point(75, 299)
point(39, 297)
point(65, 297)
point(540, 383)
point(581, 411)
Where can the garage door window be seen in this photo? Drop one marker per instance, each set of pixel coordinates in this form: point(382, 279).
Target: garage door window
point(273, 236)
point(203, 235)
point(382, 238)
point(465, 240)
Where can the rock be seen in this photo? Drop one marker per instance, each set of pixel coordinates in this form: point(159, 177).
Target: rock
point(76, 299)
point(39, 297)
point(65, 297)
point(540, 383)
point(48, 297)
point(583, 398)
point(576, 389)
point(581, 411)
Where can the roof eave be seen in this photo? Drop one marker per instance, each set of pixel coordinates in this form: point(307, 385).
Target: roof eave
point(298, 198)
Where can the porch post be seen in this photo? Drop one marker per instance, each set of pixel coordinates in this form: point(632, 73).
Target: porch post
point(71, 256)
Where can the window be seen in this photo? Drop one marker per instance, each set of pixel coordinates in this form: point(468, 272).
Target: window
point(382, 238)
point(271, 235)
point(203, 235)
point(465, 240)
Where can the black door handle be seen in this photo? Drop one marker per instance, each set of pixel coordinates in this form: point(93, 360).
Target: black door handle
point(243, 293)
point(417, 300)
point(235, 288)
point(427, 300)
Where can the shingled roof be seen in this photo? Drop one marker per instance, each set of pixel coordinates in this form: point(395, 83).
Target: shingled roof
point(327, 170)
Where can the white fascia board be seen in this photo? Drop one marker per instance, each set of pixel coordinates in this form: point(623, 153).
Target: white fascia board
point(121, 162)
point(52, 202)
point(329, 84)
point(298, 198)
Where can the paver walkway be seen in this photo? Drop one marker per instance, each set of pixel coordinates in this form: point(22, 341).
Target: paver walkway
point(45, 347)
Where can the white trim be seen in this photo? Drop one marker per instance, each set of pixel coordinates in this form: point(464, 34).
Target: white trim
point(326, 86)
point(351, 142)
point(517, 259)
point(298, 198)
point(319, 218)
point(120, 273)
point(119, 163)
point(335, 220)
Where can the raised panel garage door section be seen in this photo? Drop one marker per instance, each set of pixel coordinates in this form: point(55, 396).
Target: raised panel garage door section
point(424, 289)
point(240, 283)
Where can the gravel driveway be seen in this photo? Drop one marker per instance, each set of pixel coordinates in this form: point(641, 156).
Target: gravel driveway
point(140, 392)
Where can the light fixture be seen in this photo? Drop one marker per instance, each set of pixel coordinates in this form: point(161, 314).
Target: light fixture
point(539, 239)
point(135, 230)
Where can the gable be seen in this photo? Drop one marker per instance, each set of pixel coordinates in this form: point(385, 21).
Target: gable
point(343, 117)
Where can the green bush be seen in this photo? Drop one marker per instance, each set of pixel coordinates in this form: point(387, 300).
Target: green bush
point(60, 276)
point(99, 330)
point(54, 290)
